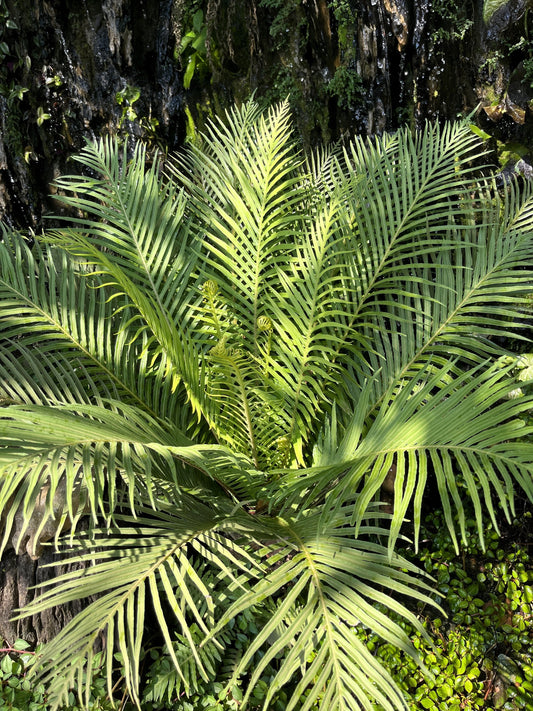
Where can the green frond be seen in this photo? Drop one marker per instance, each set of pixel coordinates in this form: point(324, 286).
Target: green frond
point(141, 250)
point(144, 559)
point(307, 315)
point(59, 325)
point(247, 195)
point(333, 586)
point(467, 299)
point(471, 456)
point(401, 196)
point(232, 378)
point(81, 451)
point(100, 456)
point(137, 217)
point(325, 168)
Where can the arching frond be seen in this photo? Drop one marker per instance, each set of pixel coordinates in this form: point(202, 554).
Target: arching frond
point(479, 453)
point(149, 556)
point(142, 244)
point(133, 214)
point(248, 197)
point(470, 297)
point(102, 457)
point(85, 450)
point(334, 579)
point(145, 559)
point(307, 315)
point(401, 195)
point(59, 324)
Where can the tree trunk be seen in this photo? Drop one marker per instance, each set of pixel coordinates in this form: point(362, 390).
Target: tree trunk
point(18, 574)
point(72, 72)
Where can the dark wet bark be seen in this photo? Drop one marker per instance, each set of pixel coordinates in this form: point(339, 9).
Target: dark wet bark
point(350, 66)
point(64, 65)
point(19, 575)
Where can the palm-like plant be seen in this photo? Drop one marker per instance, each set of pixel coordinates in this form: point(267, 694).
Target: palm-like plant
point(221, 364)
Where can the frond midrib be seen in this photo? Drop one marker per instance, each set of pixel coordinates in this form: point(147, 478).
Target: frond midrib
point(308, 340)
point(315, 576)
point(132, 232)
point(377, 271)
point(258, 262)
point(130, 590)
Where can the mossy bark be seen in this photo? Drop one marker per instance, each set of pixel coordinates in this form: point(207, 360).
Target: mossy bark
point(63, 67)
